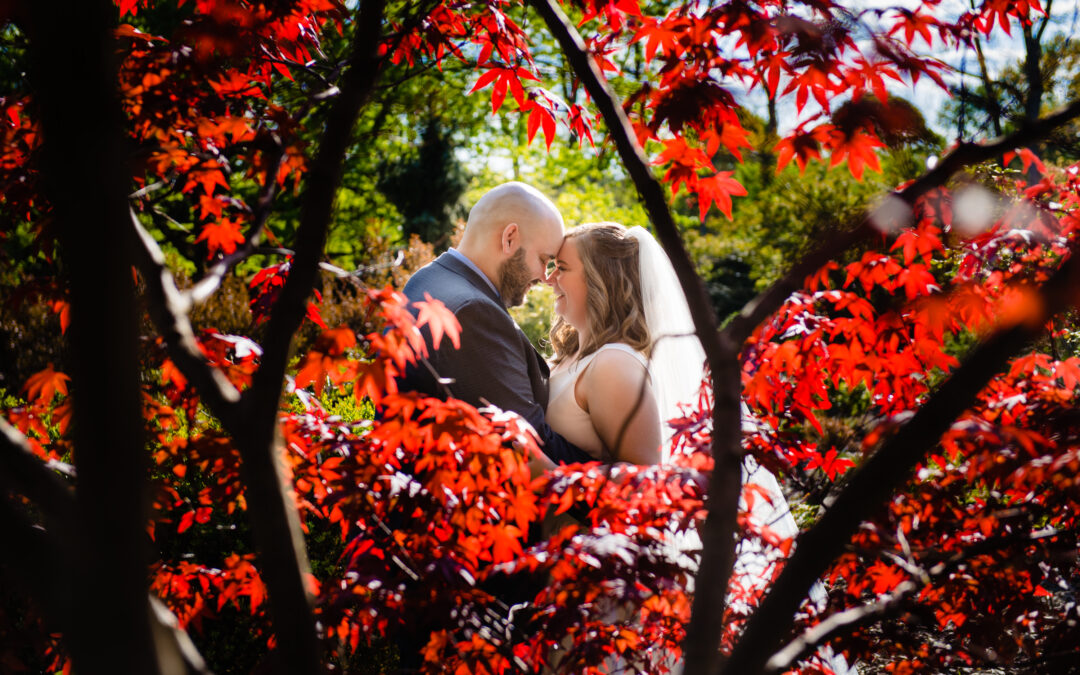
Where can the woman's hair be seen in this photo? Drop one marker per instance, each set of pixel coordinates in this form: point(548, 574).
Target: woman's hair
point(613, 306)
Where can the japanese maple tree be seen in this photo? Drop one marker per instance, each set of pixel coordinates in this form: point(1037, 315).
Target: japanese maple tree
point(949, 536)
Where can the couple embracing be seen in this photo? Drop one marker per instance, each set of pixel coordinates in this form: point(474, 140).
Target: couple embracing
point(624, 350)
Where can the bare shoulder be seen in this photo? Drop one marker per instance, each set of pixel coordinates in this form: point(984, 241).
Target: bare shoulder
point(621, 406)
point(615, 372)
point(612, 362)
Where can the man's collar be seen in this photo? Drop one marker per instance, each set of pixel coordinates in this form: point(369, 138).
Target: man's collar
point(471, 265)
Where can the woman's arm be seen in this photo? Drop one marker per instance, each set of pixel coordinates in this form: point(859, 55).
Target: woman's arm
point(609, 391)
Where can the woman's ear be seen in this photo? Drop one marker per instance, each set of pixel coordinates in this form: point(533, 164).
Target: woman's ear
point(511, 238)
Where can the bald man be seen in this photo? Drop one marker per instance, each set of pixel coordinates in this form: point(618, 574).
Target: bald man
point(512, 233)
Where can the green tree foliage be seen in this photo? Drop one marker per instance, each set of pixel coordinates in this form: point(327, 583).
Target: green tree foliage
point(426, 186)
point(1045, 75)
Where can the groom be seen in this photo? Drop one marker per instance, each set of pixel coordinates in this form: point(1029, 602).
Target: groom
point(512, 233)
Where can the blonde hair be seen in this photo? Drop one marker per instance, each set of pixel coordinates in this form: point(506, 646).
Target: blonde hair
point(613, 307)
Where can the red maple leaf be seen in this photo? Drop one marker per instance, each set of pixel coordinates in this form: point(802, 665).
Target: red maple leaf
point(858, 149)
point(732, 136)
point(1027, 158)
point(816, 79)
point(914, 23)
point(127, 6)
point(830, 463)
point(539, 117)
point(439, 320)
point(221, 236)
point(327, 360)
point(658, 35)
point(872, 74)
point(44, 384)
point(719, 189)
point(886, 577)
point(63, 309)
point(685, 162)
point(503, 79)
point(312, 312)
point(918, 243)
point(800, 145)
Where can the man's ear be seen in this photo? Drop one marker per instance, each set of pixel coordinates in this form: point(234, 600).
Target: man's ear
point(511, 238)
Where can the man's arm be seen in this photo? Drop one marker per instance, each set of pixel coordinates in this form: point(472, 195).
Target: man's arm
point(491, 366)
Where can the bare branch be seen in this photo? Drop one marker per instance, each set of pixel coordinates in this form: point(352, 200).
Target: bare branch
point(148, 189)
point(718, 533)
point(965, 154)
point(282, 555)
point(841, 622)
point(175, 648)
point(169, 312)
point(24, 473)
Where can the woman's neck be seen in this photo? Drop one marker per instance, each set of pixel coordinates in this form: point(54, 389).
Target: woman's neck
point(582, 339)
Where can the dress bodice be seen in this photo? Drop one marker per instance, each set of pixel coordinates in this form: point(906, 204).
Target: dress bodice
point(565, 416)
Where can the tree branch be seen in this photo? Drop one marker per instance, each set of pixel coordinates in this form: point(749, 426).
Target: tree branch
point(279, 540)
point(206, 286)
point(887, 469)
point(22, 472)
point(718, 533)
point(840, 623)
point(178, 653)
point(1045, 20)
point(843, 623)
point(168, 308)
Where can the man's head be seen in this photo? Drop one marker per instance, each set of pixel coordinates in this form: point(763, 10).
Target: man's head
point(512, 233)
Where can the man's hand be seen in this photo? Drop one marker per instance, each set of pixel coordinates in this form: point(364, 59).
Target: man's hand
point(539, 463)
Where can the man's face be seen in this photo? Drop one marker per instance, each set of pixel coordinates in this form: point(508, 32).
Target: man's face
point(528, 265)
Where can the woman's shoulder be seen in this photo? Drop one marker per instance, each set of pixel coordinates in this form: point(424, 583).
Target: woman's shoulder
point(616, 365)
point(612, 352)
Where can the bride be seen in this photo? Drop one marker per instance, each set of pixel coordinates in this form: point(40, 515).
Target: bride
point(625, 357)
point(602, 348)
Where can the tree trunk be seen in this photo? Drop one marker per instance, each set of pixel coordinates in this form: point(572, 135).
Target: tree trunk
point(85, 158)
point(766, 155)
point(993, 105)
point(275, 521)
point(1036, 88)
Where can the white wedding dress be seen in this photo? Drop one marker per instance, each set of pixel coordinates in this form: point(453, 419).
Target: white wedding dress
point(676, 371)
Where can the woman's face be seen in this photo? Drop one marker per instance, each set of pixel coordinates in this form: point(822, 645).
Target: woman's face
point(568, 282)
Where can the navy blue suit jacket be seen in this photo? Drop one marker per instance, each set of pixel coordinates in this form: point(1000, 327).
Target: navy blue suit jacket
point(496, 361)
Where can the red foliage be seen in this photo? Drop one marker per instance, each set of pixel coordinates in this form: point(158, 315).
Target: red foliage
point(431, 500)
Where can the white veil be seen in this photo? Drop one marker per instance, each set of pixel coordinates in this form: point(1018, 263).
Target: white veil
point(678, 361)
point(676, 369)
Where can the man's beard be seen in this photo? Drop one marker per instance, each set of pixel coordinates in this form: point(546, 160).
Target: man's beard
point(514, 279)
